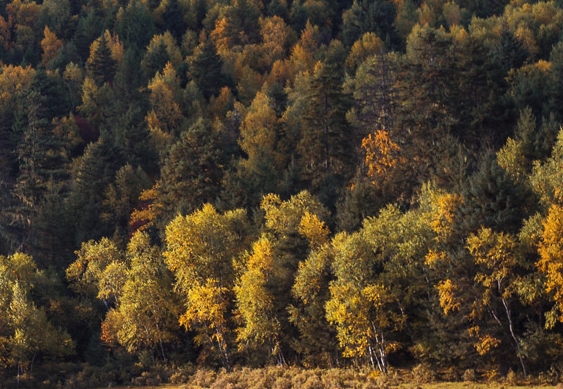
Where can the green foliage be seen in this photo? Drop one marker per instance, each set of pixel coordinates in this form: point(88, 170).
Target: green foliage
point(133, 133)
point(145, 316)
point(192, 172)
point(326, 138)
point(101, 64)
point(206, 69)
point(25, 329)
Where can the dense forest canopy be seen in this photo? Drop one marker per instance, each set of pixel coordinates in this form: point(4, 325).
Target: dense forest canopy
point(318, 183)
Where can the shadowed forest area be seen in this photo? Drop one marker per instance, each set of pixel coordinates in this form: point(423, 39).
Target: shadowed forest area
point(195, 185)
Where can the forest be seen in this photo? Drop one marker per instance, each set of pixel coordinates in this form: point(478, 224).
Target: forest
point(227, 184)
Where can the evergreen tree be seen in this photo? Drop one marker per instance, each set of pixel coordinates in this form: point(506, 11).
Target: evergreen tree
point(101, 64)
point(173, 19)
point(191, 174)
point(243, 26)
point(206, 69)
point(366, 16)
point(135, 24)
point(326, 149)
point(493, 200)
point(95, 170)
point(155, 60)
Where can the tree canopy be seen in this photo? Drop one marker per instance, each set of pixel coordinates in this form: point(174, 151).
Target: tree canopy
point(311, 182)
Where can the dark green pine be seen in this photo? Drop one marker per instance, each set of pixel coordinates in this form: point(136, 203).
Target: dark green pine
point(206, 70)
point(103, 66)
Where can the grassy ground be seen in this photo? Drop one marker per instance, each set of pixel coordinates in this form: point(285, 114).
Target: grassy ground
point(296, 378)
point(443, 385)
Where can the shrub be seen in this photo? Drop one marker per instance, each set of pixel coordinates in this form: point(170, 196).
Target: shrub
point(313, 382)
point(334, 378)
point(423, 374)
point(203, 378)
point(282, 383)
point(511, 378)
point(469, 375)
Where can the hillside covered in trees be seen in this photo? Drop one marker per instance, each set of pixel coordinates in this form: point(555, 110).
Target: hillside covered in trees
point(316, 183)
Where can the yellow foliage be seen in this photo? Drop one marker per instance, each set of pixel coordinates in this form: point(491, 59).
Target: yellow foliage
point(486, 344)
point(526, 36)
point(447, 290)
point(14, 79)
point(313, 229)
point(285, 216)
point(434, 258)
point(207, 305)
point(551, 255)
point(255, 304)
point(220, 35)
point(382, 154)
point(220, 105)
point(369, 44)
point(110, 327)
point(166, 113)
point(50, 45)
point(23, 12)
point(496, 252)
point(276, 37)
point(444, 206)
point(543, 65)
point(73, 73)
point(257, 133)
point(114, 44)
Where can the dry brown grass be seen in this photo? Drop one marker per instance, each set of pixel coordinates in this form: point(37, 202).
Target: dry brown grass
point(420, 377)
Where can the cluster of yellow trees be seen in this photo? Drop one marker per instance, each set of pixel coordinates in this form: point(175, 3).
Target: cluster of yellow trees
point(402, 282)
point(292, 181)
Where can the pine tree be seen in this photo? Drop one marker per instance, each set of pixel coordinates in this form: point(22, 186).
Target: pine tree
point(206, 69)
point(135, 24)
point(173, 19)
point(155, 59)
point(493, 200)
point(101, 64)
point(243, 26)
point(95, 170)
point(366, 16)
point(191, 174)
point(326, 148)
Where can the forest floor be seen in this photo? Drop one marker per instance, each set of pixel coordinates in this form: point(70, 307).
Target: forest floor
point(442, 385)
point(367, 385)
point(418, 377)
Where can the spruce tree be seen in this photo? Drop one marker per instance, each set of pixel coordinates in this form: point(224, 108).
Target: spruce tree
point(192, 173)
point(206, 69)
point(326, 148)
point(101, 65)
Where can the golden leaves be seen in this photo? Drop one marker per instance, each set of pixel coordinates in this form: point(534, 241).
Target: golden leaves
point(50, 45)
point(447, 291)
point(551, 255)
point(382, 154)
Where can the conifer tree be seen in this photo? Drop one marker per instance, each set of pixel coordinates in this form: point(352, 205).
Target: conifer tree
point(206, 69)
point(173, 19)
point(192, 172)
point(101, 64)
point(326, 148)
